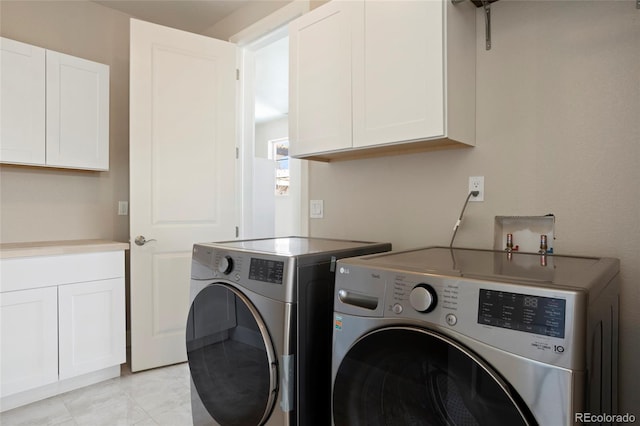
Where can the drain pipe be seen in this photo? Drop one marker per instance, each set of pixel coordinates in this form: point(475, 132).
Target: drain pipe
point(487, 24)
point(486, 5)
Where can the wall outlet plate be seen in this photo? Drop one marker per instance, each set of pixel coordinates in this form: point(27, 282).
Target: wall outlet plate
point(476, 183)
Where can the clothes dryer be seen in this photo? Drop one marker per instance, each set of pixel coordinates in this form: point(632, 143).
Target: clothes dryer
point(442, 336)
point(259, 329)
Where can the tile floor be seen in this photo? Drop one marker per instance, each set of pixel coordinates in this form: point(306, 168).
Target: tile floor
point(148, 398)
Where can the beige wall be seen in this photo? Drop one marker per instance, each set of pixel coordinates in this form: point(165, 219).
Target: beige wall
point(558, 131)
point(44, 204)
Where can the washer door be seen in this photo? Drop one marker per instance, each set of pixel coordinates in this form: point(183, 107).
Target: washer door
point(410, 376)
point(231, 357)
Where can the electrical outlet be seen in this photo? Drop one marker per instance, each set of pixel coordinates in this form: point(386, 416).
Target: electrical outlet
point(476, 183)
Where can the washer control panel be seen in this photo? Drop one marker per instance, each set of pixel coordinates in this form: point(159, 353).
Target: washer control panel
point(415, 296)
point(423, 298)
point(533, 321)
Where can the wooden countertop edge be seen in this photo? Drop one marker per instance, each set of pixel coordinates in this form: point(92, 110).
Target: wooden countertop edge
point(53, 248)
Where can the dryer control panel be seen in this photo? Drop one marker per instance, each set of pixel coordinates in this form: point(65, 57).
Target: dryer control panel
point(265, 274)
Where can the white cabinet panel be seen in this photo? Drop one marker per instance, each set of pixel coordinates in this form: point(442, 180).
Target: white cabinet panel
point(398, 73)
point(91, 326)
point(77, 112)
point(29, 339)
point(22, 273)
point(22, 121)
point(321, 45)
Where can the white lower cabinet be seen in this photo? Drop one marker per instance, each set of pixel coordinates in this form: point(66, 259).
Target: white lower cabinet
point(62, 324)
point(29, 339)
point(91, 323)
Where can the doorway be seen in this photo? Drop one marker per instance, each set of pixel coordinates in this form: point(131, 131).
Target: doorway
point(273, 186)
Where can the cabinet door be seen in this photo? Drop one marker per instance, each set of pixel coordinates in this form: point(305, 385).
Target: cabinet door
point(398, 75)
point(29, 339)
point(91, 326)
point(77, 112)
point(320, 48)
point(22, 98)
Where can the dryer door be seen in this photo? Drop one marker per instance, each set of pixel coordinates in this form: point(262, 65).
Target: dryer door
point(231, 357)
point(410, 376)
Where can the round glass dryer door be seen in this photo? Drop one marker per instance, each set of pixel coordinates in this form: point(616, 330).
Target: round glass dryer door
point(408, 376)
point(231, 357)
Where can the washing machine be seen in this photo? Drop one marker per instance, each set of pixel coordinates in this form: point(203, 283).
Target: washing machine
point(452, 336)
point(259, 329)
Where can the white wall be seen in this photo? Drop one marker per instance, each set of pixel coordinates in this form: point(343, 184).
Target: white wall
point(287, 208)
point(558, 131)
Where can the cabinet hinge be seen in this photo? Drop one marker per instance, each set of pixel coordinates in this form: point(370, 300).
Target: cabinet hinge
point(237, 74)
point(237, 153)
point(237, 232)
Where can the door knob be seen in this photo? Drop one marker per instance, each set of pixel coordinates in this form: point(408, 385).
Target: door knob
point(141, 240)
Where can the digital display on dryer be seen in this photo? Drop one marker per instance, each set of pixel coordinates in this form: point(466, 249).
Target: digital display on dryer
point(521, 312)
point(265, 270)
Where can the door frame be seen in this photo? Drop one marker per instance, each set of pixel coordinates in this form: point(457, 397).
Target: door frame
point(256, 35)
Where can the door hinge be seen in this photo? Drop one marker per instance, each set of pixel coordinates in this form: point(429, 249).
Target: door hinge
point(237, 232)
point(237, 73)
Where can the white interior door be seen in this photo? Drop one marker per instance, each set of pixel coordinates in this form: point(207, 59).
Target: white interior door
point(182, 176)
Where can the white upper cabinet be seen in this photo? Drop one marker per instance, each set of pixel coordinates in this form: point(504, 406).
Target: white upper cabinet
point(382, 77)
point(22, 97)
point(77, 112)
point(55, 109)
point(321, 45)
point(398, 73)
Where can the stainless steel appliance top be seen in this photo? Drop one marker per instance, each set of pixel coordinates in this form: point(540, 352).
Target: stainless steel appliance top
point(290, 246)
point(528, 268)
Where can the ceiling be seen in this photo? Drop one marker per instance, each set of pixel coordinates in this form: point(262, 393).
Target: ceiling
point(189, 15)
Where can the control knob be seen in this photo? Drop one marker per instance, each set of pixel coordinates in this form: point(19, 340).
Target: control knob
point(225, 266)
point(423, 298)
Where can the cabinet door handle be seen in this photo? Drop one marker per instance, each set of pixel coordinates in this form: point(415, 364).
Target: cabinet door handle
point(141, 240)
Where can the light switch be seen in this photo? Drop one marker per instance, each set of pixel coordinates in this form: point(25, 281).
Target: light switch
point(316, 209)
point(123, 208)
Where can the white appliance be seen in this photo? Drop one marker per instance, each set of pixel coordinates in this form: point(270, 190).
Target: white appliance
point(474, 337)
point(259, 329)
